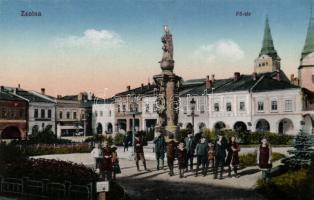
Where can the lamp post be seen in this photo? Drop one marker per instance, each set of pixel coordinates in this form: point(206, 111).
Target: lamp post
point(192, 106)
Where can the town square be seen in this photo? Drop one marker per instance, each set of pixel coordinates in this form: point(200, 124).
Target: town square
point(157, 99)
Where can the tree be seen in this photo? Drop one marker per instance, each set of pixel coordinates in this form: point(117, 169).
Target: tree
point(302, 152)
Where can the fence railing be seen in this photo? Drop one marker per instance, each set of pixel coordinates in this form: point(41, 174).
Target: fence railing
point(44, 189)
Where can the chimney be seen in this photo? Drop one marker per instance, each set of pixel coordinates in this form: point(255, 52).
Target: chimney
point(291, 77)
point(19, 86)
point(59, 96)
point(209, 83)
point(149, 85)
point(277, 75)
point(128, 88)
point(142, 87)
point(213, 78)
point(43, 91)
point(254, 75)
point(236, 76)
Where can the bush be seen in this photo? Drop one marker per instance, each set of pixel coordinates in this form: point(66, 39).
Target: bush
point(183, 133)
point(249, 159)
point(293, 184)
point(95, 138)
point(118, 139)
point(35, 150)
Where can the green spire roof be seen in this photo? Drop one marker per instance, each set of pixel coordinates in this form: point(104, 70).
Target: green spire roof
point(268, 45)
point(309, 41)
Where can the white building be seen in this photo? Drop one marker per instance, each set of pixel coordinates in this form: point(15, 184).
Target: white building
point(103, 121)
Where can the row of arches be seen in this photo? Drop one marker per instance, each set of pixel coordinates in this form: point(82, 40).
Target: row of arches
point(108, 128)
point(285, 126)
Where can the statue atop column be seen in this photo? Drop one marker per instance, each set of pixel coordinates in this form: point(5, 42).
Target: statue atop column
point(167, 62)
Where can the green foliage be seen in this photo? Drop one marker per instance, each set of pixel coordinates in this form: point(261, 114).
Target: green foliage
point(95, 138)
point(291, 185)
point(302, 153)
point(182, 134)
point(249, 159)
point(118, 139)
point(35, 150)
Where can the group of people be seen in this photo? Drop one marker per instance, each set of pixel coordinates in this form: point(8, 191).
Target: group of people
point(106, 160)
point(210, 155)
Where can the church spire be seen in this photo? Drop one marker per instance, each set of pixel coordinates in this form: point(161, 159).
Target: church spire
point(268, 45)
point(309, 41)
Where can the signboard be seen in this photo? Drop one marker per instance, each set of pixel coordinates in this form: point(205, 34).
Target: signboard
point(102, 186)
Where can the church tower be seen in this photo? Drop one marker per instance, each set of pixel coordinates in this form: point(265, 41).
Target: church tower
point(268, 59)
point(306, 68)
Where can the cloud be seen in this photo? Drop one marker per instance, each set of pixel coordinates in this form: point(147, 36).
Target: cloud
point(222, 50)
point(93, 38)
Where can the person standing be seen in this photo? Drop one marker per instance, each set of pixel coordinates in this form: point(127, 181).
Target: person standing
point(264, 156)
point(232, 160)
point(211, 156)
point(190, 148)
point(126, 142)
point(97, 155)
point(220, 154)
point(202, 156)
point(115, 162)
point(160, 149)
point(171, 150)
point(107, 162)
point(139, 151)
point(181, 159)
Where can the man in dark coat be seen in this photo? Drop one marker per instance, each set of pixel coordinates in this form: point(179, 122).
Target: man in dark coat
point(202, 156)
point(106, 167)
point(220, 148)
point(181, 159)
point(126, 141)
point(160, 149)
point(171, 150)
point(139, 151)
point(190, 148)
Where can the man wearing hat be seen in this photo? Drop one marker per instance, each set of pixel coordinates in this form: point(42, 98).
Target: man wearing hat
point(220, 154)
point(190, 148)
point(139, 151)
point(160, 149)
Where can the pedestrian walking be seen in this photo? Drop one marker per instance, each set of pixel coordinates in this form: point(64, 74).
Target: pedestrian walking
point(107, 162)
point(115, 162)
point(232, 160)
point(190, 148)
point(139, 151)
point(211, 156)
point(160, 149)
point(181, 159)
point(264, 156)
point(97, 155)
point(126, 142)
point(220, 154)
point(171, 150)
point(202, 156)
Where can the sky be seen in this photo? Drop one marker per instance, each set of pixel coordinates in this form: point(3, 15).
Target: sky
point(102, 46)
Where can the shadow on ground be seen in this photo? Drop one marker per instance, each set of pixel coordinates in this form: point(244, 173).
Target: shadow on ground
point(144, 189)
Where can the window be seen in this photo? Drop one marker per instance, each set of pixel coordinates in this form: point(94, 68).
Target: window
point(101, 113)
point(4, 113)
point(216, 107)
point(147, 107)
point(109, 113)
point(185, 110)
point(274, 105)
point(288, 105)
point(202, 108)
point(36, 113)
point(242, 106)
point(21, 113)
point(123, 108)
point(260, 106)
point(312, 78)
point(68, 115)
point(60, 115)
point(49, 114)
point(74, 115)
point(154, 107)
point(42, 113)
point(119, 108)
point(96, 114)
point(228, 107)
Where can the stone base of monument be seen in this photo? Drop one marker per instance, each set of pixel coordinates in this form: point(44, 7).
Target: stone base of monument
point(168, 130)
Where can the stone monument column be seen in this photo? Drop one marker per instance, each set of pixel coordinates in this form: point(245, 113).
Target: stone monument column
point(168, 86)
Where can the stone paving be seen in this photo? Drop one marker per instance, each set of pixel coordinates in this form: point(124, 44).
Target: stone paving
point(156, 184)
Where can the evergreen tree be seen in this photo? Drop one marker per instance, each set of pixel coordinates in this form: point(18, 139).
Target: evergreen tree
point(303, 152)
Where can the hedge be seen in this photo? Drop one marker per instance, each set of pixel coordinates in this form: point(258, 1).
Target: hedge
point(249, 159)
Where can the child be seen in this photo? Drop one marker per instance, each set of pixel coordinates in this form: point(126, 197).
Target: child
point(97, 155)
point(264, 156)
point(115, 162)
point(211, 156)
point(181, 159)
point(202, 156)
